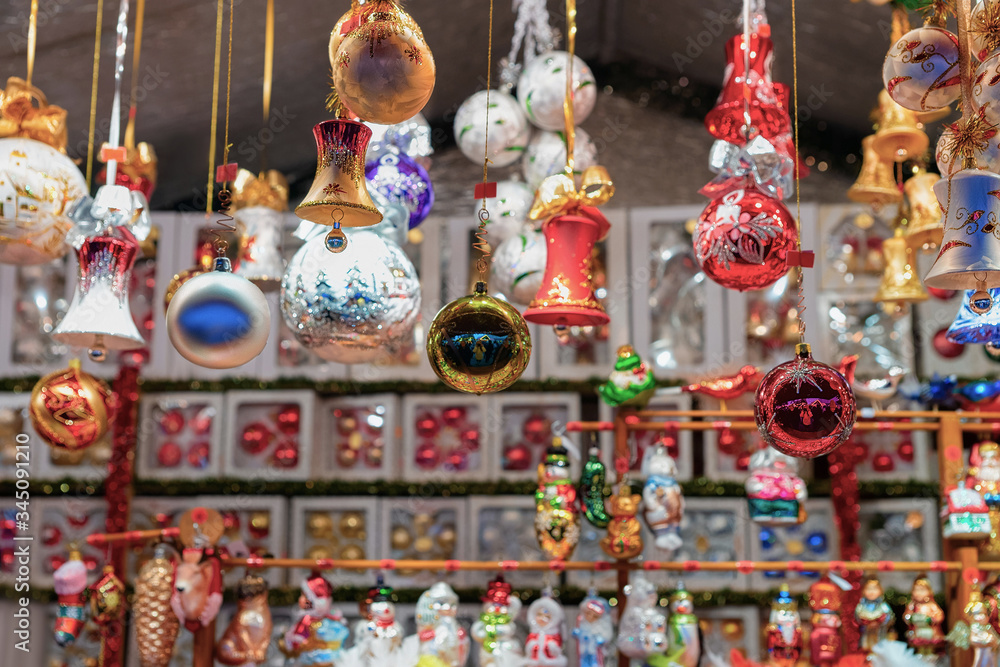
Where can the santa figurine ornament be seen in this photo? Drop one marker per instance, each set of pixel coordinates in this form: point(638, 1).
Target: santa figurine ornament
point(557, 517)
point(923, 618)
point(443, 642)
point(984, 477)
point(976, 631)
point(594, 631)
point(544, 647)
point(495, 631)
point(873, 614)
point(784, 630)
point(382, 635)
point(775, 492)
point(824, 639)
point(318, 636)
point(662, 500)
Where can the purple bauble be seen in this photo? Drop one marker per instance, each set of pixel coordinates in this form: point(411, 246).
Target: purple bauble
point(401, 180)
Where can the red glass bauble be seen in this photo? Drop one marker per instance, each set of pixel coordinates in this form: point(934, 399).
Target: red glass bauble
point(51, 536)
point(517, 457)
point(427, 426)
point(939, 293)
point(536, 429)
point(201, 423)
point(804, 408)
point(347, 456)
point(453, 416)
point(256, 437)
point(427, 456)
point(905, 451)
point(286, 455)
point(743, 461)
point(470, 439)
point(743, 238)
point(457, 459)
point(883, 462)
point(288, 420)
point(172, 422)
point(198, 454)
point(169, 455)
point(231, 522)
point(6, 559)
point(55, 562)
point(78, 520)
point(90, 562)
point(945, 347)
point(730, 442)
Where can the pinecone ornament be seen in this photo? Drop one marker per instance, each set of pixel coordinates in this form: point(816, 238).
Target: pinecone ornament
point(155, 622)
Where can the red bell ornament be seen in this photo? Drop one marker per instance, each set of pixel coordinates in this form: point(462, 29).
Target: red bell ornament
point(743, 238)
point(566, 296)
point(726, 120)
point(804, 408)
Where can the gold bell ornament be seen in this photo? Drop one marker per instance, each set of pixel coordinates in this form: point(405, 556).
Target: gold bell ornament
point(924, 228)
point(155, 622)
point(259, 204)
point(900, 136)
point(900, 282)
point(875, 185)
point(339, 194)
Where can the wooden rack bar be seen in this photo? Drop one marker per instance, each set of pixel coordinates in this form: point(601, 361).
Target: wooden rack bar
point(862, 414)
point(752, 426)
point(132, 536)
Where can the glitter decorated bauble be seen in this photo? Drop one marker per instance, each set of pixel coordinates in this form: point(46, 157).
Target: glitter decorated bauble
point(985, 28)
point(354, 307)
point(505, 133)
point(71, 409)
point(949, 163)
point(804, 408)
point(218, 319)
point(38, 185)
point(155, 622)
point(986, 88)
point(508, 211)
point(383, 70)
point(743, 238)
point(478, 344)
point(546, 155)
point(411, 137)
point(921, 69)
point(401, 180)
point(518, 267)
point(541, 90)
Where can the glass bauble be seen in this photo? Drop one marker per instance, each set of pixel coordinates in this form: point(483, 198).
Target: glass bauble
point(985, 28)
point(478, 344)
point(508, 210)
point(354, 307)
point(986, 88)
point(546, 155)
point(541, 90)
point(403, 181)
point(506, 131)
point(71, 409)
point(921, 69)
point(518, 267)
point(949, 163)
point(804, 408)
point(37, 184)
point(743, 238)
point(411, 137)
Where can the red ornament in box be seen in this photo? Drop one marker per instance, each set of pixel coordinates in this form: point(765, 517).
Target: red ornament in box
point(566, 297)
point(726, 120)
point(288, 419)
point(804, 408)
point(198, 455)
point(256, 437)
point(743, 238)
point(169, 455)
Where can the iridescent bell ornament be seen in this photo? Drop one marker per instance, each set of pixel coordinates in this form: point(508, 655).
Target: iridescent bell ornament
point(978, 319)
point(259, 205)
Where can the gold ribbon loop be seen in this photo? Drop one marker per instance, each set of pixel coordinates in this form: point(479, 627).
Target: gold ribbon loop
point(270, 189)
point(19, 117)
point(557, 195)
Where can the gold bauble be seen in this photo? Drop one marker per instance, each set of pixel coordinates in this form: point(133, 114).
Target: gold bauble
point(319, 552)
point(178, 280)
point(319, 525)
point(400, 539)
point(352, 552)
point(383, 70)
point(352, 523)
point(260, 522)
point(70, 409)
point(355, 440)
point(478, 344)
point(732, 630)
point(423, 544)
point(446, 540)
point(422, 522)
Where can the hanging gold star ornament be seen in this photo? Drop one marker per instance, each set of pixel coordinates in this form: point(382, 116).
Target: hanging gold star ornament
point(985, 28)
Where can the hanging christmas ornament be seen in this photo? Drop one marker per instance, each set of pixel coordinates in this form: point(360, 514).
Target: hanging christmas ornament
point(594, 631)
point(776, 495)
point(39, 180)
point(155, 622)
point(478, 344)
point(544, 646)
point(70, 409)
point(873, 614)
point(592, 489)
point(642, 630)
point(541, 90)
point(356, 308)
point(875, 184)
point(557, 520)
point(319, 633)
point(784, 630)
point(978, 319)
point(900, 282)
point(545, 155)
point(197, 594)
point(218, 319)
point(382, 636)
point(748, 69)
point(663, 502)
point(924, 619)
point(985, 28)
point(742, 240)
point(985, 89)
point(508, 210)
point(70, 582)
point(518, 267)
point(107, 610)
point(630, 383)
point(921, 69)
point(966, 515)
point(825, 600)
point(259, 206)
point(138, 171)
point(923, 220)
point(99, 317)
point(495, 631)
point(248, 635)
point(948, 154)
point(684, 636)
point(383, 70)
point(900, 136)
point(411, 137)
point(506, 135)
point(979, 633)
point(443, 642)
point(402, 180)
point(804, 408)
point(624, 538)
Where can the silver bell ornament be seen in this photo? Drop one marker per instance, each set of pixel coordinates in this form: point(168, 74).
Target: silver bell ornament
point(969, 257)
point(518, 267)
point(217, 319)
point(354, 307)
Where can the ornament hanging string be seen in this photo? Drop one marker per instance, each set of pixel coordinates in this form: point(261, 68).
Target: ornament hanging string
point(226, 171)
point(114, 132)
point(133, 102)
point(32, 39)
point(568, 100)
point(747, 121)
point(93, 93)
point(210, 185)
point(268, 73)
point(800, 306)
point(480, 244)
